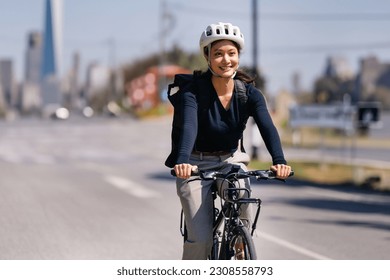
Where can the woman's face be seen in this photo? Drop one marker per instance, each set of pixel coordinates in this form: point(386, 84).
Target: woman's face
point(224, 58)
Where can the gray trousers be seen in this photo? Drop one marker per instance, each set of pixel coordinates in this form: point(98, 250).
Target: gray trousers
point(197, 203)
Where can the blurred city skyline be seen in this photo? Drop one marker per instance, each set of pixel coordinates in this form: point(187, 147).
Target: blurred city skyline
point(294, 36)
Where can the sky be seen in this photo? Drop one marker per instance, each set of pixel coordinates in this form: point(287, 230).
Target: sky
point(293, 35)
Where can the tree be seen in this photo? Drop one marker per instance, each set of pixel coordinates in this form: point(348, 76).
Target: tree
point(175, 56)
point(331, 89)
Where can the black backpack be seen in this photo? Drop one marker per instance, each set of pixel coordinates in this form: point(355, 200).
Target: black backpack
point(194, 83)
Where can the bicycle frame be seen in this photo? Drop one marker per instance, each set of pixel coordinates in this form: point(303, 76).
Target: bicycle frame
point(226, 219)
point(228, 228)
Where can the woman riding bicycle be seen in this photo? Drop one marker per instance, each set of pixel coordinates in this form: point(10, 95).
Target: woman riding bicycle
point(213, 142)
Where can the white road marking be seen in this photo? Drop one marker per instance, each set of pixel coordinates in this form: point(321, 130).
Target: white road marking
point(294, 247)
point(130, 187)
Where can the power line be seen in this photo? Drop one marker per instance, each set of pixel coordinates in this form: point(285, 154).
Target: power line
point(369, 16)
point(322, 48)
point(204, 11)
point(326, 16)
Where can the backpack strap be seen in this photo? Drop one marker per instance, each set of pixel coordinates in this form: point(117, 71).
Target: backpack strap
point(242, 95)
point(241, 91)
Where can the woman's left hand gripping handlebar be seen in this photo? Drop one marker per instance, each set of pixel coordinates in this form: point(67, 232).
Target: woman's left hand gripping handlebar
point(282, 171)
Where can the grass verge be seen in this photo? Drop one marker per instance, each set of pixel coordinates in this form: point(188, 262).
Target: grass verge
point(334, 174)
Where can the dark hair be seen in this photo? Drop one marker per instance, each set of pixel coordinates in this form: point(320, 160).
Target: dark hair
point(245, 77)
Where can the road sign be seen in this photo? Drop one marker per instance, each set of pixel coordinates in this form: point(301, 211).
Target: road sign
point(323, 116)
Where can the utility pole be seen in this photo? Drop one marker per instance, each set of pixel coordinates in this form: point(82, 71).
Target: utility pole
point(254, 35)
point(255, 137)
point(166, 23)
point(112, 66)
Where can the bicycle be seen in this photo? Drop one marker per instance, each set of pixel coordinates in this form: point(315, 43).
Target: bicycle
point(231, 237)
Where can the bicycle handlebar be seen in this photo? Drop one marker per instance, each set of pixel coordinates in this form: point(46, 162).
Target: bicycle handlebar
point(238, 174)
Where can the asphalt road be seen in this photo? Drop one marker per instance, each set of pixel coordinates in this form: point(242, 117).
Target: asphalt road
point(98, 189)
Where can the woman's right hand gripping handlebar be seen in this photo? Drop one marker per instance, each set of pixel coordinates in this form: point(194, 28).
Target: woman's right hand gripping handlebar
point(184, 170)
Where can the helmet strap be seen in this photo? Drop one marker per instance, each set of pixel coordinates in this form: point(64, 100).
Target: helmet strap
point(219, 76)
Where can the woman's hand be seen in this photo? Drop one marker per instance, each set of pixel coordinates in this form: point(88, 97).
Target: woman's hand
point(282, 170)
point(184, 170)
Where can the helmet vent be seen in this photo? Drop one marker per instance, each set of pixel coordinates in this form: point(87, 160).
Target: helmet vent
point(221, 31)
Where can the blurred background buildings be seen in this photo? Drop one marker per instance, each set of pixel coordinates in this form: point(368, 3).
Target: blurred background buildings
point(138, 86)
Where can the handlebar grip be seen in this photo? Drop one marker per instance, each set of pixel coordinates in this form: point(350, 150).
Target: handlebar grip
point(193, 172)
point(270, 174)
point(291, 173)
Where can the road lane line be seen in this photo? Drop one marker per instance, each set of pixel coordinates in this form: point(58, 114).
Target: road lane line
point(294, 247)
point(130, 187)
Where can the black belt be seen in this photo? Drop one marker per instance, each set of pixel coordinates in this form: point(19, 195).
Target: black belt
point(216, 154)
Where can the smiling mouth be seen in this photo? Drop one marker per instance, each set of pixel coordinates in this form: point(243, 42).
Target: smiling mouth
point(226, 68)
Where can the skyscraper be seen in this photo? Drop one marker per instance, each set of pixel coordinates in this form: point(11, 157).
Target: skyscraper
point(33, 58)
point(7, 82)
point(52, 41)
point(30, 99)
point(51, 55)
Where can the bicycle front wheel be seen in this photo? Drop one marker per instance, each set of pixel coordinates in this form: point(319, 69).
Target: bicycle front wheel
point(241, 246)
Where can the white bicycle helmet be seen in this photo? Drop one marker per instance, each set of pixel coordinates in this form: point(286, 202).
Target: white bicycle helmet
point(221, 31)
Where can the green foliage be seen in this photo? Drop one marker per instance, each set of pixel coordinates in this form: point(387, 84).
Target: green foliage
point(332, 89)
point(317, 172)
point(192, 61)
point(139, 67)
point(175, 56)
